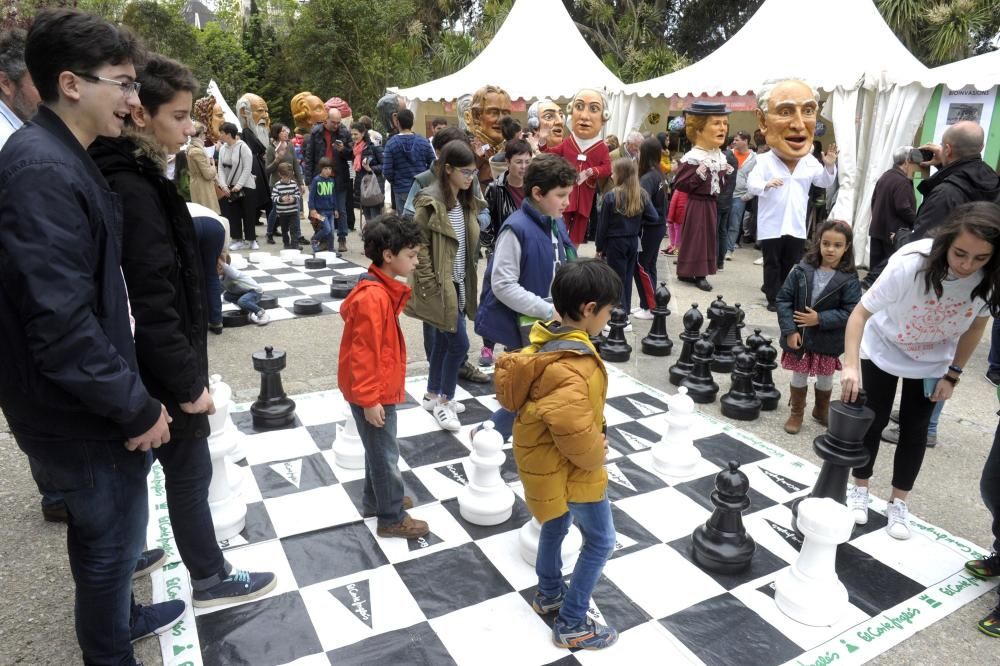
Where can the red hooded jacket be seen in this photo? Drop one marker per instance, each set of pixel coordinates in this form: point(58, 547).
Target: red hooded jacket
point(372, 365)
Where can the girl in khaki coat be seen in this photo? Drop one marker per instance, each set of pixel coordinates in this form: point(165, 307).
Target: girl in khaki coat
point(445, 287)
point(202, 171)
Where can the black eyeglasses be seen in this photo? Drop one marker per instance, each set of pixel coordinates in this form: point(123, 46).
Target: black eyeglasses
point(127, 87)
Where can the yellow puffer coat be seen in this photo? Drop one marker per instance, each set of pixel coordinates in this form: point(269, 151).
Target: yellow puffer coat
point(557, 386)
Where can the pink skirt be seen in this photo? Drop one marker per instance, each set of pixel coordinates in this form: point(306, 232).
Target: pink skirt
point(814, 365)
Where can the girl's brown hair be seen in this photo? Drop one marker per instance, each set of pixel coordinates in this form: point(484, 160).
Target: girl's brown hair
point(628, 194)
point(814, 256)
point(457, 155)
point(982, 220)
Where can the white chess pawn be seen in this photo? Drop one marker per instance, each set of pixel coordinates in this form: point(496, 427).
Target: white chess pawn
point(528, 537)
point(486, 500)
point(286, 255)
point(237, 261)
point(348, 450)
point(809, 591)
point(675, 454)
point(229, 511)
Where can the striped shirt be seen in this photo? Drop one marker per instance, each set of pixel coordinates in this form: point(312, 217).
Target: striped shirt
point(456, 215)
point(280, 190)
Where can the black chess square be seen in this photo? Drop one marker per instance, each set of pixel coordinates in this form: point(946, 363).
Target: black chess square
point(475, 389)
point(519, 516)
point(414, 645)
point(763, 563)
point(323, 435)
point(286, 292)
point(701, 489)
point(285, 477)
point(258, 527)
point(631, 437)
point(267, 632)
point(448, 580)
point(427, 448)
point(872, 586)
point(307, 282)
point(722, 631)
point(284, 270)
point(626, 479)
point(722, 448)
point(638, 405)
point(321, 272)
point(475, 412)
point(412, 486)
point(266, 279)
point(614, 608)
point(631, 535)
point(332, 553)
point(244, 423)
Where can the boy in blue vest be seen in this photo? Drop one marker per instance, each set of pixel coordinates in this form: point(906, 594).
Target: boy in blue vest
point(530, 245)
point(323, 208)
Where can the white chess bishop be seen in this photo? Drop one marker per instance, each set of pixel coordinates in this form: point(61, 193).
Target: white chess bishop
point(229, 511)
point(486, 500)
point(348, 450)
point(675, 454)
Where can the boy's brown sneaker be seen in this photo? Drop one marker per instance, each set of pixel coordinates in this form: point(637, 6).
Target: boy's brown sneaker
point(407, 529)
point(407, 505)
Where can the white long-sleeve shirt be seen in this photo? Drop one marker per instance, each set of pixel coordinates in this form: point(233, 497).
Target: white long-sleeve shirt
point(236, 158)
point(782, 211)
point(506, 278)
point(9, 123)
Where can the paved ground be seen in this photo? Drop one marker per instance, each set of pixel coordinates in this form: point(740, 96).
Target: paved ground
point(36, 617)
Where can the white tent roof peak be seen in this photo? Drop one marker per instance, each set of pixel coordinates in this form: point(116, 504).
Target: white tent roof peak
point(981, 71)
point(851, 46)
point(515, 59)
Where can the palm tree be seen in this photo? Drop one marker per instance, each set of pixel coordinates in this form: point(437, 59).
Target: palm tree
point(948, 30)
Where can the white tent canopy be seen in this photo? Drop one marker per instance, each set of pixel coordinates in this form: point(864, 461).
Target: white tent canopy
point(516, 59)
point(981, 71)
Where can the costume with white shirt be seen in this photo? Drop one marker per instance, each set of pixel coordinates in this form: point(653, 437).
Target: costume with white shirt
point(9, 123)
point(782, 212)
point(912, 334)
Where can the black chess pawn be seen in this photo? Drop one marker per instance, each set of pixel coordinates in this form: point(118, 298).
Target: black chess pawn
point(738, 346)
point(272, 409)
point(699, 383)
point(615, 348)
point(741, 403)
point(754, 341)
point(716, 312)
point(658, 343)
point(763, 382)
point(597, 341)
point(692, 321)
point(722, 544)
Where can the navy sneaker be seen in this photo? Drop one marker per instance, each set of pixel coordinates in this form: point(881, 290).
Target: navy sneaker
point(238, 586)
point(148, 562)
point(544, 605)
point(586, 636)
point(156, 619)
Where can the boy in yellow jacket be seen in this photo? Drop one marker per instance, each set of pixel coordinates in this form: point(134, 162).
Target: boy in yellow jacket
point(557, 385)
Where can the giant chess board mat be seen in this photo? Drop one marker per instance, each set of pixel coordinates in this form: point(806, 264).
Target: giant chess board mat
point(462, 594)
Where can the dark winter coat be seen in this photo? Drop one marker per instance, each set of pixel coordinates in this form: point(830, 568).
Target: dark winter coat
point(725, 200)
point(893, 204)
point(70, 370)
point(500, 203)
point(834, 306)
point(163, 272)
point(373, 154)
point(314, 149)
point(263, 184)
point(963, 181)
point(405, 156)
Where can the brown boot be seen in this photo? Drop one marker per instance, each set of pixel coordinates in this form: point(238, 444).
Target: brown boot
point(821, 412)
point(342, 245)
point(797, 402)
point(407, 529)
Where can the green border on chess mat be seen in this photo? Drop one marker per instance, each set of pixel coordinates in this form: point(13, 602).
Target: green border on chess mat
point(856, 645)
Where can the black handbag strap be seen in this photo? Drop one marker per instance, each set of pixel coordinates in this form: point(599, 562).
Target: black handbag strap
point(239, 158)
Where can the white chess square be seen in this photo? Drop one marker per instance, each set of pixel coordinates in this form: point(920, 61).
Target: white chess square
point(315, 409)
point(644, 459)
point(442, 486)
point(667, 513)
point(442, 525)
point(352, 270)
point(920, 557)
point(310, 510)
point(639, 645)
point(504, 551)
point(315, 289)
point(272, 445)
point(266, 556)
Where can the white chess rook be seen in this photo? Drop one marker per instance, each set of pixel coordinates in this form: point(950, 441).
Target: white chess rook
point(348, 450)
point(487, 500)
point(528, 540)
point(229, 511)
point(809, 591)
point(675, 454)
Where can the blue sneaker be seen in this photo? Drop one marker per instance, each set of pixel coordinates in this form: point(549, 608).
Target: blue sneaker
point(156, 619)
point(544, 605)
point(148, 562)
point(238, 586)
point(586, 636)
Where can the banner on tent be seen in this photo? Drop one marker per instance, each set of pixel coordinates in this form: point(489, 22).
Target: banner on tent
point(732, 102)
point(965, 104)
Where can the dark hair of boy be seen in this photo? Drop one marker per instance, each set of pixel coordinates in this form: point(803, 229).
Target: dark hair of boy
point(457, 155)
point(509, 127)
point(230, 129)
point(577, 283)
point(389, 232)
point(405, 118)
point(68, 40)
point(547, 172)
point(446, 136)
point(325, 163)
point(437, 122)
point(516, 147)
point(366, 121)
point(161, 79)
point(285, 170)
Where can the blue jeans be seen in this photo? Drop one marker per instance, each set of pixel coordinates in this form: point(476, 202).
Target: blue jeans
point(248, 301)
point(272, 220)
point(104, 488)
point(503, 422)
point(383, 491)
point(399, 200)
point(325, 232)
point(994, 358)
point(989, 487)
point(598, 528)
point(935, 415)
point(211, 241)
point(187, 468)
point(735, 222)
point(342, 221)
point(448, 353)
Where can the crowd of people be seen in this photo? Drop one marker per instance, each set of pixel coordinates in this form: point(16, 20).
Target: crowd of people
point(111, 285)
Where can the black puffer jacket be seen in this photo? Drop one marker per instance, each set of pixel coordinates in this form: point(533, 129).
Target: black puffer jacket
point(164, 277)
point(966, 180)
point(834, 306)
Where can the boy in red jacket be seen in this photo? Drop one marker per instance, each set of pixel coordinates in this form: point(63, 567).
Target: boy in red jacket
point(372, 368)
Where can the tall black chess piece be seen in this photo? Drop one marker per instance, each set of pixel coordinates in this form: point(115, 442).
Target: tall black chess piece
point(741, 403)
point(738, 346)
point(722, 544)
point(615, 348)
point(715, 314)
point(692, 321)
point(841, 448)
point(763, 382)
point(272, 409)
point(755, 340)
point(658, 343)
point(597, 341)
point(725, 339)
point(699, 383)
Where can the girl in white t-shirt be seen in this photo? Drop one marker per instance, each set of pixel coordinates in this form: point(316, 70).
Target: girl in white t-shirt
point(920, 322)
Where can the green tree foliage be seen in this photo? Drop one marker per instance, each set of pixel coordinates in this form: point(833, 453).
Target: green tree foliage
point(455, 48)
point(942, 31)
point(162, 29)
point(222, 58)
point(705, 25)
